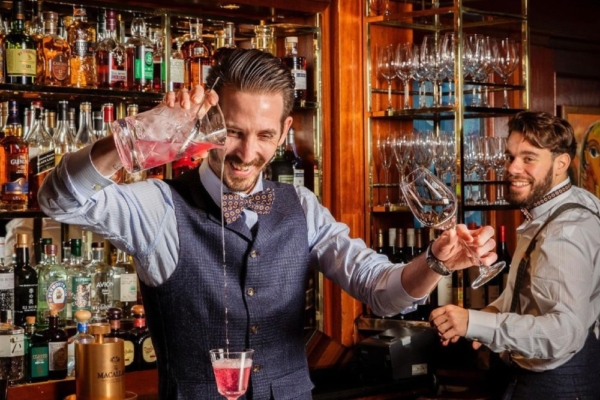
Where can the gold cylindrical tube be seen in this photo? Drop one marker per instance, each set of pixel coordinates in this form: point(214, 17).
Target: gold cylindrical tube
point(100, 366)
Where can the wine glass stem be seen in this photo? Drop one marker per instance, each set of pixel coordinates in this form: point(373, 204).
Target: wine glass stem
point(390, 95)
point(387, 189)
point(505, 105)
point(406, 105)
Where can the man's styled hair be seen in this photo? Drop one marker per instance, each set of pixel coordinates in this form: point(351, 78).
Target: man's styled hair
point(545, 131)
point(252, 70)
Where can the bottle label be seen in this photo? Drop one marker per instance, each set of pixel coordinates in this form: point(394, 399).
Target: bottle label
point(82, 48)
point(205, 69)
point(177, 71)
point(7, 282)
point(286, 179)
point(299, 79)
point(148, 354)
point(40, 163)
point(129, 352)
point(12, 345)
point(59, 65)
point(102, 291)
point(38, 357)
point(117, 75)
point(128, 288)
point(143, 65)
point(25, 298)
point(81, 287)
point(444, 291)
point(21, 62)
point(57, 356)
point(298, 177)
point(56, 296)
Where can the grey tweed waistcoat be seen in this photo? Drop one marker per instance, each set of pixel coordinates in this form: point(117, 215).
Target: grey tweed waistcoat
point(265, 272)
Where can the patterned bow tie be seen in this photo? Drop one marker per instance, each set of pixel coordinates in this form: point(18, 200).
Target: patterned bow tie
point(233, 204)
point(527, 211)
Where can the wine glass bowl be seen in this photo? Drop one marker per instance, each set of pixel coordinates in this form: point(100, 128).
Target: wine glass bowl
point(232, 371)
point(434, 205)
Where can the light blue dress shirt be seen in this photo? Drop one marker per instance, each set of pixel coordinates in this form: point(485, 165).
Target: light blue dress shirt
point(139, 218)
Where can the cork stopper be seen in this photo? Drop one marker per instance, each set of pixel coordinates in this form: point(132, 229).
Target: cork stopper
point(30, 320)
point(138, 310)
point(83, 315)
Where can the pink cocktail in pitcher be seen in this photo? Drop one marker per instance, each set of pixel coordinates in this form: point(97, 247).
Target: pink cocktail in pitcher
point(165, 134)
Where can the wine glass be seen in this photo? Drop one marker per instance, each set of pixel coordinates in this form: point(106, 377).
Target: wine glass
point(434, 205)
point(385, 148)
point(165, 134)
point(506, 59)
point(406, 65)
point(386, 68)
point(232, 371)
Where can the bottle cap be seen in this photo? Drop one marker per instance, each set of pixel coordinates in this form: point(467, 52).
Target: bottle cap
point(83, 315)
point(50, 249)
point(30, 320)
point(22, 240)
point(113, 313)
point(138, 310)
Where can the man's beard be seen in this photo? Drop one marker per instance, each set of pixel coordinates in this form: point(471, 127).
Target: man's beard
point(538, 190)
point(234, 183)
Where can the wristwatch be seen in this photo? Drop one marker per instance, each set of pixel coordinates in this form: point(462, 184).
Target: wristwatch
point(436, 265)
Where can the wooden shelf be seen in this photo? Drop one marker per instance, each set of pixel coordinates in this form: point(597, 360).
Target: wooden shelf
point(142, 383)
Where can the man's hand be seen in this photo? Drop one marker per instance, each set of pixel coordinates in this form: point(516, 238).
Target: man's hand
point(449, 249)
point(451, 322)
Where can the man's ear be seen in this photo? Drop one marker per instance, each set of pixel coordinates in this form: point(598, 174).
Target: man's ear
point(286, 127)
point(561, 163)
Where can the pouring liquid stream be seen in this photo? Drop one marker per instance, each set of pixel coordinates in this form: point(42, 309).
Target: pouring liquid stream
point(224, 257)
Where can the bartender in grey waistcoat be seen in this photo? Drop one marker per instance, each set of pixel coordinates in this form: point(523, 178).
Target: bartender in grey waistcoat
point(273, 232)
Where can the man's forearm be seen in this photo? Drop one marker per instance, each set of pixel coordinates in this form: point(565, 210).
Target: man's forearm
point(105, 156)
point(418, 279)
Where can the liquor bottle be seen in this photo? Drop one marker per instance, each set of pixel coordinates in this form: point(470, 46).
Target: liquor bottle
point(2, 56)
point(63, 143)
point(15, 187)
point(65, 252)
point(391, 244)
point(101, 25)
point(474, 298)
point(12, 349)
point(444, 291)
point(503, 255)
point(52, 287)
point(114, 319)
point(81, 36)
point(226, 44)
point(111, 57)
point(419, 247)
point(144, 355)
point(281, 169)
point(50, 121)
point(85, 135)
point(400, 256)
point(140, 57)
point(410, 250)
point(458, 288)
point(82, 318)
point(98, 125)
point(56, 54)
point(380, 246)
point(66, 263)
point(79, 281)
point(26, 283)
point(40, 254)
point(291, 155)
point(264, 38)
point(102, 283)
point(36, 353)
point(297, 65)
point(176, 68)
point(159, 79)
point(57, 347)
point(197, 57)
point(7, 282)
point(126, 285)
point(41, 157)
point(21, 55)
point(72, 124)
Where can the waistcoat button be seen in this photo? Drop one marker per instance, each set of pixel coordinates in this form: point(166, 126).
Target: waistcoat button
point(253, 253)
point(250, 291)
point(255, 368)
point(254, 329)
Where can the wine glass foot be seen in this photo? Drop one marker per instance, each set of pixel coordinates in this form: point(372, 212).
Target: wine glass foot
point(486, 273)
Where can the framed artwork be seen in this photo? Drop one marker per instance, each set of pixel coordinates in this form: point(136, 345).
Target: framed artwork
point(585, 168)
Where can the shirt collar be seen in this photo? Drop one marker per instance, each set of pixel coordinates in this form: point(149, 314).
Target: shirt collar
point(212, 183)
point(555, 196)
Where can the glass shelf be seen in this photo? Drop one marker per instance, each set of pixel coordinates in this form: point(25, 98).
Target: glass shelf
point(21, 214)
point(443, 113)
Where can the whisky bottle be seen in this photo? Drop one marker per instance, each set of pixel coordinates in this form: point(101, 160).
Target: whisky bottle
point(102, 283)
point(57, 347)
point(82, 318)
point(159, 78)
point(291, 154)
point(55, 52)
point(85, 135)
point(41, 157)
point(15, 187)
point(140, 58)
point(111, 57)
point(63, 143)
point(79, 281)
point(145, 357)
point(114, 319)
point(26, 283)
point(176, 68)
point(52, 287)
point(126, 285)
point(225, 44)
point(281, 169)
point(400, 257)
point(36, 353)
point(297, 65)
point(21, 54)
point(7, 282)
point(197, 57)
point(264, 38)
point(81, 36)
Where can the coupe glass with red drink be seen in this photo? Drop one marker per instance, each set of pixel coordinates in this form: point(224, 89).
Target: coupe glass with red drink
point(232, 371)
